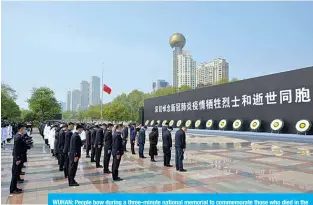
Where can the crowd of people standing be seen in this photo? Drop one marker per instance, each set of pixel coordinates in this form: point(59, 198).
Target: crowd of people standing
point(66, 141)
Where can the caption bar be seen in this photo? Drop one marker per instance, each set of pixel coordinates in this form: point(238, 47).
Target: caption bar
point(180, 199)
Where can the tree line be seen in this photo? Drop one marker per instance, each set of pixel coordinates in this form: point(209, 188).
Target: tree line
point(43, 105)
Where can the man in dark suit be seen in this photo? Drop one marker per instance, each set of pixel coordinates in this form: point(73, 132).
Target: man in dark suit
point(18, 150)
point(68, 136)
point(74, 155)
point(108, 141)
point(92, 142)
point(167, 146)
point(180, 146)
point(125, 136)
point(142, 141)
point(117, 152)
point(99, 144)
point(88, 139)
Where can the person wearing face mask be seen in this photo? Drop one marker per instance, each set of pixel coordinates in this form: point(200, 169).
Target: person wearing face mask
point(18, 148)
point(99, 144)
point(108, 140)
point(117, 152)
point(68, 136)
point(74, 154)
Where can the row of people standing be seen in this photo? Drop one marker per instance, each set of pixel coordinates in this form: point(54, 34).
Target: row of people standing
point(22, 142)
point(112, 140)
point(180, 145)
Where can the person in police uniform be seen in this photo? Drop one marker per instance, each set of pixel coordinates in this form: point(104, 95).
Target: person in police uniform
point(99, 144)
point(167, 146)
point(117, 152)
point(74, 155)
point(18, 149)
point(108, 140)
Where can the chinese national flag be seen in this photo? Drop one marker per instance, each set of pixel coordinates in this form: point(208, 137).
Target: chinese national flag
point(107, 89)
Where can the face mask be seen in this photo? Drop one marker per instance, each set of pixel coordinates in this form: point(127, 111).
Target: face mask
point(25, 131)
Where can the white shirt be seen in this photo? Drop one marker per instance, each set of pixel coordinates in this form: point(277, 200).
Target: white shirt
point(46, 132)
point(51, 138)
point(83, 135)
point(4, 133)
point(10, 132)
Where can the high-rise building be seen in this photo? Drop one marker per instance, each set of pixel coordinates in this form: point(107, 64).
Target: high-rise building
point(212, 72)
point(84, 90)
point(184, 67)
point(68, 101)
point(76, 96)
point(177, 42)
point(186, 72)
point(94, 91)
point(159, 84)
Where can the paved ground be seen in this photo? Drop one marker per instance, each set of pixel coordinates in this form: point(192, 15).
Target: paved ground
point(214, 164)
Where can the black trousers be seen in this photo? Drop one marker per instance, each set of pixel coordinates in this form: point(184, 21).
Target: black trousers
point(93, 153)
point(15, 176)
point(66, 165)
point(98, 154)
point(179, 157)
point(106, 159)
point(61, 161)
point(124, 144)
point(88, 149)
point(132, 145)
point(115, 166)
point(72, 169)
point(167, 155)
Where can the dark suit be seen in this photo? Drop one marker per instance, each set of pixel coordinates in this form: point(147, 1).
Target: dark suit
point(18, 151)
point(141, 142)
point(117, 149)
point(99, 144)
point(88, 144)
point(167, 145)
point(66, 149)
point(180, 146)
point(92, 142)
point(108, 141)
point(153, 139)
point(74, 151)
point(125, 136)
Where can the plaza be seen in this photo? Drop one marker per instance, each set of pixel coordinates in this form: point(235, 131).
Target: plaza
point(215, 164)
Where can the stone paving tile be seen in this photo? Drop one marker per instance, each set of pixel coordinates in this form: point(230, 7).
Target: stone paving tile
point(252, 168)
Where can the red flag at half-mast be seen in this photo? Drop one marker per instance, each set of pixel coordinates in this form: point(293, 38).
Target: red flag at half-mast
point(106, 89)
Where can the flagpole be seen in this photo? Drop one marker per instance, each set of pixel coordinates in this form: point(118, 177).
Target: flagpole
point(101, 92)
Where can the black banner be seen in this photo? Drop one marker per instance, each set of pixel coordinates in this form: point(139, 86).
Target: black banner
point(286, 96)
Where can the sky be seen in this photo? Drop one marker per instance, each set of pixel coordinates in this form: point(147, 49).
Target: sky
point(59, 44)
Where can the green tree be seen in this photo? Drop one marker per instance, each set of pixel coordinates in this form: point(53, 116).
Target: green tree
point(9, 109)
point(184, 88)
point(81, 115)
point(44, 103)
point(94, 112)
point(115, 112)
point(222, 81)
point(28, 116)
